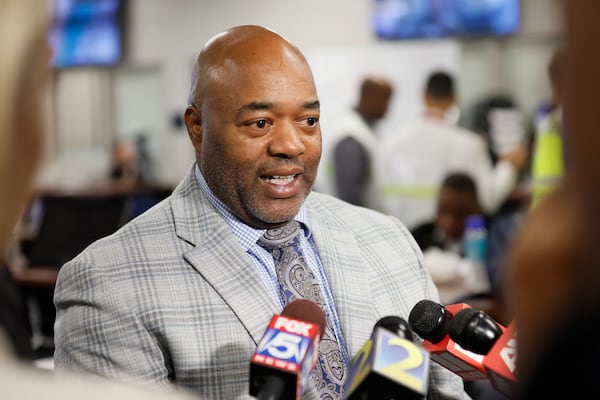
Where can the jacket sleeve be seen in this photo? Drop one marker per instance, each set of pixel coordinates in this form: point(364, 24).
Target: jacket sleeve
point(97, 332)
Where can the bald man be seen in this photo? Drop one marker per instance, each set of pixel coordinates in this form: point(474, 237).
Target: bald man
point(182, 294)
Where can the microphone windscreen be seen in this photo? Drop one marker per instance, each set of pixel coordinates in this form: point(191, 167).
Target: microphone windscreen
point(305, 310)
point(396, 325)
point(428, 320)
point(474, 330)
point(457, 329)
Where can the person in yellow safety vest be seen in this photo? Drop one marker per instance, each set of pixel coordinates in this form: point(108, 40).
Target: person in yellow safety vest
point(548, 164)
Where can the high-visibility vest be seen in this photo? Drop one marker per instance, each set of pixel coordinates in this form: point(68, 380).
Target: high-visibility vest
point(548, 158)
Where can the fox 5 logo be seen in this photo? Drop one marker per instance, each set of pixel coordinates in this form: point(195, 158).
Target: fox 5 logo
point(284, 346)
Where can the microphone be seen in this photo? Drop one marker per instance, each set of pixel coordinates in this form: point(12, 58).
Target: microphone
point(501, 362)
point(430, 321)
point(389, 365)
point(474, 330)
point(287, 352)
point(396, 325)
point(478, 332)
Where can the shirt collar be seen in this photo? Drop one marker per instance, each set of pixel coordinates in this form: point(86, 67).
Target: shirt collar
point(246, 234)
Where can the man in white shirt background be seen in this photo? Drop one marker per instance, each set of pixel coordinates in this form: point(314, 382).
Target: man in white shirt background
point(412, 161)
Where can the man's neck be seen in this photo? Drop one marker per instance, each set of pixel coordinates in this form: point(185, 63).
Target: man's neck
point(371, 122)
point(435, 113)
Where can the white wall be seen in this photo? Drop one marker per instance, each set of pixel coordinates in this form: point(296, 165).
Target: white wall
point(164, 36)
point(339, 69)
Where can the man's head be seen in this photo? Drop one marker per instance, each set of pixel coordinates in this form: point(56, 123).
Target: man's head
point(123, 152)
point(440, 93)
point(253, 119)
point(374, 100)
point(457, 199)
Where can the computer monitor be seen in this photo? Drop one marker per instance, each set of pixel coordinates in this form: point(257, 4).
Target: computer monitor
point(421, 19)
point(86, 33)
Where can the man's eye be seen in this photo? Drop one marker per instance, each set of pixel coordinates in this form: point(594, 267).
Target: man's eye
point(261, 123)
point(312, 121)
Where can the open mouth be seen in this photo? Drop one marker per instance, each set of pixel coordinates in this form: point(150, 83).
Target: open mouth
point(280, 179)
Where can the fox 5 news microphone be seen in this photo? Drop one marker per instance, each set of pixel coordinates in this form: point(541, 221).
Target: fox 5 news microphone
point(287, 352)
point(389, 366)
point(478, 332)
point(430, 320)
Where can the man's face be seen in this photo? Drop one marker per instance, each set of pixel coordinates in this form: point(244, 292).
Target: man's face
point(454, 206)
point(261, 140)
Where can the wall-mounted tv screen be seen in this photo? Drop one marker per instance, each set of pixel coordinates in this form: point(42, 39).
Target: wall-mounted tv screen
point(86, 33)
point(418, 19)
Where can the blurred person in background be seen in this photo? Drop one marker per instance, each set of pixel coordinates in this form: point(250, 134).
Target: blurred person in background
point(553, 277)
point(412, 162)
point(442, 241)
point(457, 199)
point(23, 76)
point(23, 73)
point(347, 164)
point(548, 162)
point(499, 120)
point(123, 170)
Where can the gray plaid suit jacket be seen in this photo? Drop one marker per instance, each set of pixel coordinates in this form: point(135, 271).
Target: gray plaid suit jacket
point(173, 298)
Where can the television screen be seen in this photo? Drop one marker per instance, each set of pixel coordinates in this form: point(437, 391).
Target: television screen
point(416, 19)
point(86, 33)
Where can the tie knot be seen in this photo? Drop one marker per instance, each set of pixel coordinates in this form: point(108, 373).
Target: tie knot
point(277, 238)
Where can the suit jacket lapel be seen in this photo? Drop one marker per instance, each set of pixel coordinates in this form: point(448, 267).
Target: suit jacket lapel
point(218, 257)
point(220, 260)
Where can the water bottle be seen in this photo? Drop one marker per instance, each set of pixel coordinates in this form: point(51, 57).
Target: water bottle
point(475, 242)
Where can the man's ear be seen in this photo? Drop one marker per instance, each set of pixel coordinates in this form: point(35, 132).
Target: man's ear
point(193, 123)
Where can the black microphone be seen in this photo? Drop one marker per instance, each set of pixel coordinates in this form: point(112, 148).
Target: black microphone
point(287, 352)
point(396, 325)
point(478, 332)
point(474, 330)
point(389, 365)
point(431, 321)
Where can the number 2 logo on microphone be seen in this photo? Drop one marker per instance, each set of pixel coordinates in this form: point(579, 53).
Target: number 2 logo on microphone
point(402, 361)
